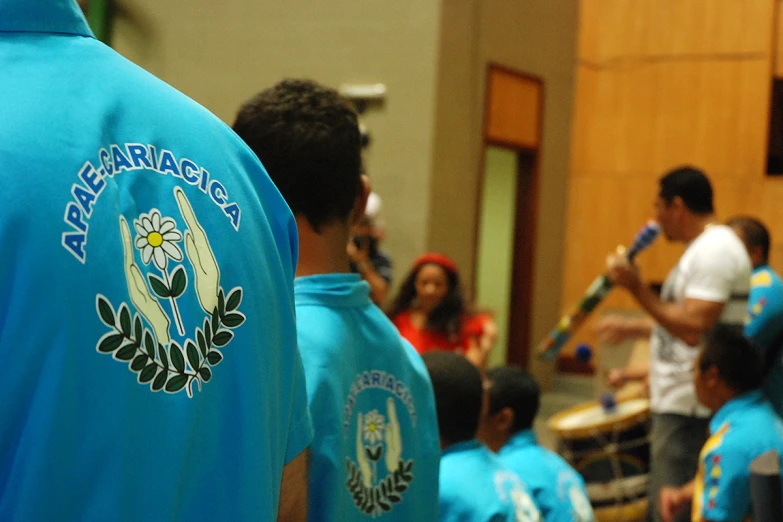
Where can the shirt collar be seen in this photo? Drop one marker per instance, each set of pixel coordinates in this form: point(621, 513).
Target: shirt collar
point(338, 289)
point(521, 439)
point(43, 16)
point(462, 446)
point(736, 404)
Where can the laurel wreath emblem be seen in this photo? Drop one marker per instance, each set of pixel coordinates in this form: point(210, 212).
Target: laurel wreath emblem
point(170, 369)
point(380, 498)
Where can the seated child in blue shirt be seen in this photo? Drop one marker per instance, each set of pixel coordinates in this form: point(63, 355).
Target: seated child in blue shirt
point(514, 399)
point(727, 377)
point(474, 487)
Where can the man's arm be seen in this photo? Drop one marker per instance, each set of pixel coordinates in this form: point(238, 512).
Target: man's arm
point(689, 320)
point(614, 328)
point(293, 489)
point(379, 288)
point(673, 499)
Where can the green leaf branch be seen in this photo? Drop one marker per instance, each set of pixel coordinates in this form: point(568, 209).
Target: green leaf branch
point(381, 497)
point(175, 368)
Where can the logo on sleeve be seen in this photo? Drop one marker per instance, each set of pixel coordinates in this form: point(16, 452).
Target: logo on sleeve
point(141, 332)
point(380, 474)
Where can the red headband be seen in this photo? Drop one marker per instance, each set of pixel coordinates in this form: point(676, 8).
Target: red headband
point(438, 259)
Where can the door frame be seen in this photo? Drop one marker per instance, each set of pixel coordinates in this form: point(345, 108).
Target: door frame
point(525, 216)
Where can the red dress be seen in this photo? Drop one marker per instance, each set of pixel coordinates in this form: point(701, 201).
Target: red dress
point(425, 340)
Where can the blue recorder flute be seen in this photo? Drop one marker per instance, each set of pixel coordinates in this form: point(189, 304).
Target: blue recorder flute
point(570, 323)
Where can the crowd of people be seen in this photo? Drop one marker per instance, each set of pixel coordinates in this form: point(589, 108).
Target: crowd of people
point(216, 349)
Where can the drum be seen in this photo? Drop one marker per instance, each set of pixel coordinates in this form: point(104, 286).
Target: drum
point(612, 452)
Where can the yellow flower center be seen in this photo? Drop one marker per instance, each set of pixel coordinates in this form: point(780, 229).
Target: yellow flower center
point(371, 427)
point(155, 239)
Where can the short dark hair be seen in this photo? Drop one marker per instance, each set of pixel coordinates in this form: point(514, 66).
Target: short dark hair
point(754, 233)
point(692, 185)
point(737, 359)
point(458, 394)
point(513, 387)
point(308, 139)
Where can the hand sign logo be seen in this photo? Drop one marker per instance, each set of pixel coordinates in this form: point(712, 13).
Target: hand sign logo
point(145, 341)
point(379, 446)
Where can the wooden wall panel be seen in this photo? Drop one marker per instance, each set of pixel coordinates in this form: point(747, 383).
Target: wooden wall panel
point(662, 83)
point(778, 49)
point(514, 110)
point(617, 31)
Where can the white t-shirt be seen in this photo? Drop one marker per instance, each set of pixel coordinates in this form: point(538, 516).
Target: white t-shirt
point(715, 267)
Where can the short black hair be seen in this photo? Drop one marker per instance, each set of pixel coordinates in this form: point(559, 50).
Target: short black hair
point(754, 233)
point(458, 394)
point(737, 359)
point(513, 387)
point(692, 185)
point(308, 139)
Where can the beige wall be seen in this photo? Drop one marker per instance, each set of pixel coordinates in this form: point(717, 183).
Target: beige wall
point(537, 37)
point(220, 53)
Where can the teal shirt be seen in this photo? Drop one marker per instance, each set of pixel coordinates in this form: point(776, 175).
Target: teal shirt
point(475, 487)
point(376, 448)
point(558, 490)
point(147, 322)
point(765, 326)
point(743, 429)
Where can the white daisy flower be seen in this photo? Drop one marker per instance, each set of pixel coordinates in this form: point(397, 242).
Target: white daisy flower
point(157, 239)
point(373, 427)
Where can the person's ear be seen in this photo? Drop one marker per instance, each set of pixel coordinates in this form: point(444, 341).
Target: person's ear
point(756, 255)
point(711, 377)
point(360, 203)
point(504, 419)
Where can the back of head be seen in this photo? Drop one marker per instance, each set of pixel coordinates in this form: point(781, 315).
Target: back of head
point(754, 234)
point(690, 184)
point(458, 395)
point(513, 387)
point(737, 359)
point(308, 139)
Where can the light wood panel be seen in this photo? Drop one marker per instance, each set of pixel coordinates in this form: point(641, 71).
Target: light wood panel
point(778, 49)
point(621, 30)
point(514, 109)
point(662, 83)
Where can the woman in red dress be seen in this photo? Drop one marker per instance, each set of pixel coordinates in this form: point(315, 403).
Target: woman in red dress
point(430, 312)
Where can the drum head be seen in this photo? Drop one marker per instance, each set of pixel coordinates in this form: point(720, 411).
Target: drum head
point(587, 419)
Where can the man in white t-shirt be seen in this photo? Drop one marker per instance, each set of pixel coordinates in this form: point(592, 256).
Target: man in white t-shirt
point(709, 285)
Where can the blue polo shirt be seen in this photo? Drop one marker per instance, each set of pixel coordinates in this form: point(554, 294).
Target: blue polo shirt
point(740, 431)
point(475, 487)
point(147, 336)
point(376, 449)
point(765, 326)
point(558, 490)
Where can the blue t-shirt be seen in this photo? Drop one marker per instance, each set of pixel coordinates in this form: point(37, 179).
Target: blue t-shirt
point(475, 487)
point(765, 325)
point(558, 490)
point(740, 431)
point(376, 447)
point(147, 330)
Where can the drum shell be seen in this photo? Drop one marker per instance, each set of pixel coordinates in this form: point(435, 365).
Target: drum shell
point(612, 455)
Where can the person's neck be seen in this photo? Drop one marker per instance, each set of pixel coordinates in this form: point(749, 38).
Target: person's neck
point(696, 225)
point(322, 252)
point(723, 397)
